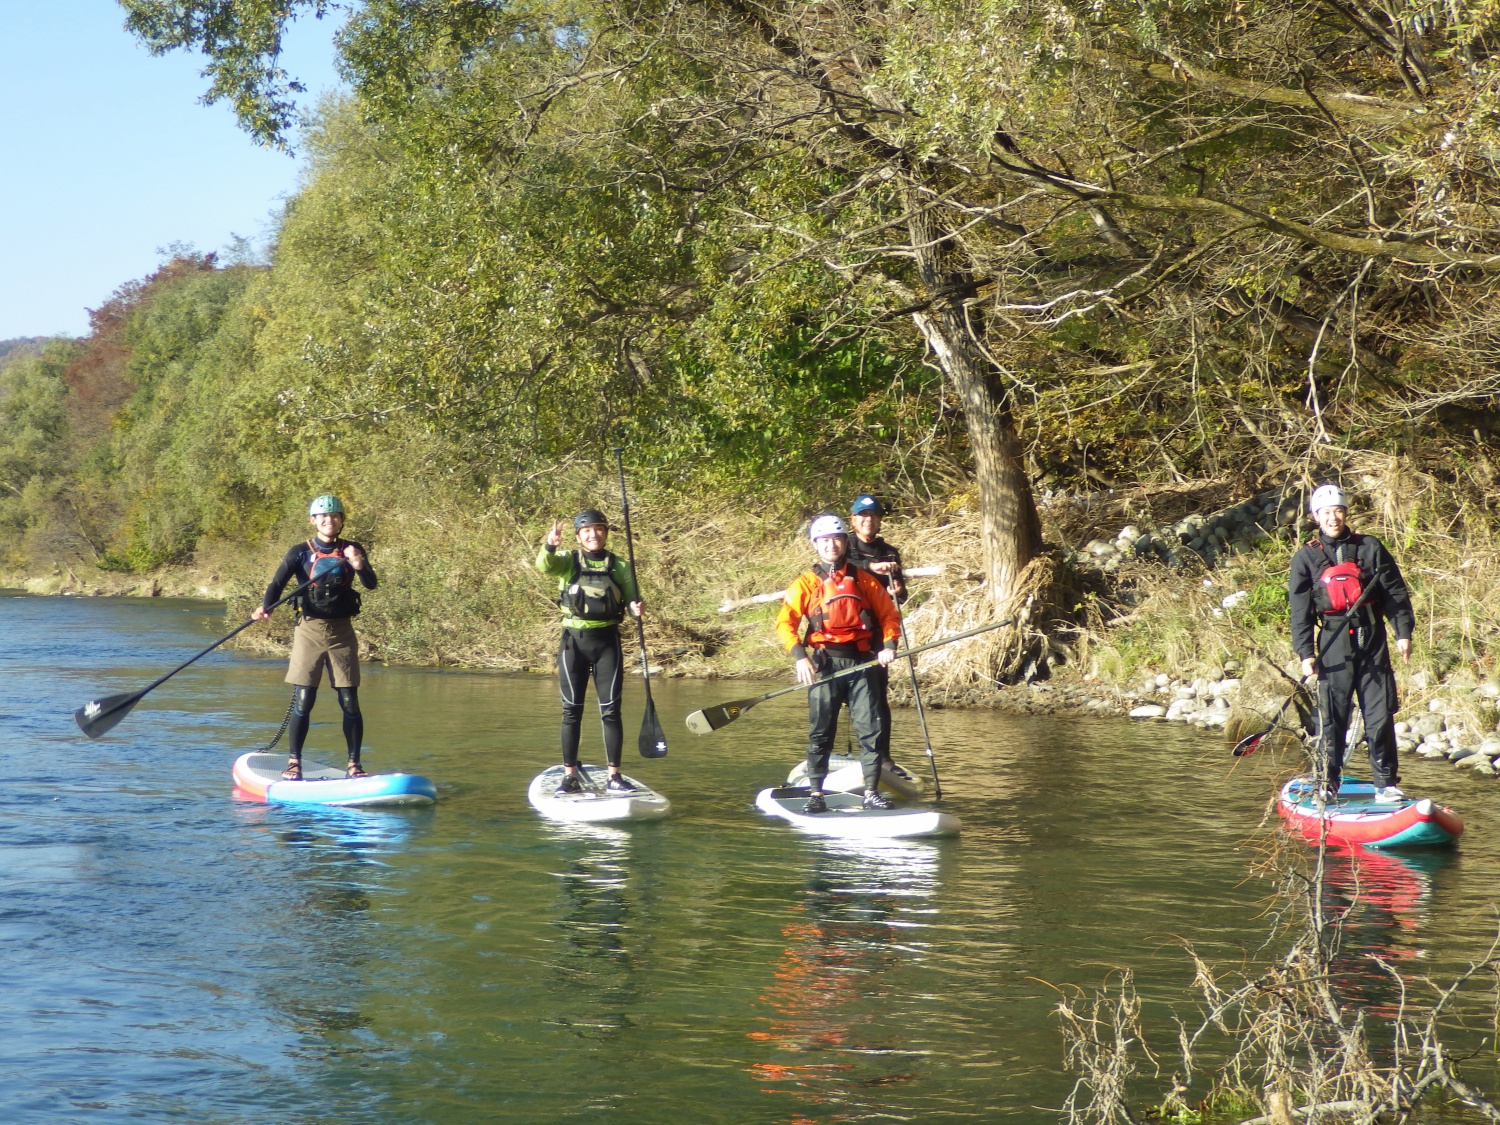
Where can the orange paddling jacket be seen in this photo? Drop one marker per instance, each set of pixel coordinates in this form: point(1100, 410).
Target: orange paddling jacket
point(845, 608)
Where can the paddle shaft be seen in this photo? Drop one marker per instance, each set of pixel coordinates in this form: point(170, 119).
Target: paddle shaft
point(227, 636)
point(916, 694)
point(651, 732)
point(1322, 690)
point(865, 667)
point(96, 719)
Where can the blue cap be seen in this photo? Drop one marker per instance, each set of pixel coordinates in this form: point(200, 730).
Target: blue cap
point(866, 503)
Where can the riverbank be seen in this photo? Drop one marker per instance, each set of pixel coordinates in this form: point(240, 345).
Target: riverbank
point(1178, 610)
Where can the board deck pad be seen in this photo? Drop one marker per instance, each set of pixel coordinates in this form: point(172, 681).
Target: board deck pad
point(847, 775)
point(595, 803)
point(847, 816)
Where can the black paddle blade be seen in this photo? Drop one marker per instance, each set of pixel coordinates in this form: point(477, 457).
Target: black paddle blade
point(653, 740)
point(712, 718)
point(101, 715)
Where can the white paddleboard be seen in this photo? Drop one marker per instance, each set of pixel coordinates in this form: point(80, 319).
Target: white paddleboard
point(596, 803)
point(848, 818)
point(846, 775)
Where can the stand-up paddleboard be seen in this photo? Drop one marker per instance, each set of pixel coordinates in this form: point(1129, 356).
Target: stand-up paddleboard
point(847, 775)
point(1355, 817)
point(259, 776)
point(847, 817)
point(596, 802)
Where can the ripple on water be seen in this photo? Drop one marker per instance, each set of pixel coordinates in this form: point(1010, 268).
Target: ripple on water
point(173, 954)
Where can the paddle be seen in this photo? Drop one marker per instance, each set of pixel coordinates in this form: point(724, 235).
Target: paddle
point(100, 716)
point(711, 719)
point(732, 604)
point(1250, 743)
point(652, 742)
point(916, 694)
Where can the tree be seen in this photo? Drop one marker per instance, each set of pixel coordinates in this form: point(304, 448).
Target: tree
point(1133, 233)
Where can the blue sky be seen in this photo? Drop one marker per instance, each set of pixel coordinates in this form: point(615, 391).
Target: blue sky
point(109, 158)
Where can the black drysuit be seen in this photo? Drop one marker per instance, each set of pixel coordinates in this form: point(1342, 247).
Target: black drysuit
point(1354, 660)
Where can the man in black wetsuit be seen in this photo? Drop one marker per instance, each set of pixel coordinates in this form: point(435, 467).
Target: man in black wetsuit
point(1328, 576)
point(324, 634)
point(869, 552)
point(594, 588)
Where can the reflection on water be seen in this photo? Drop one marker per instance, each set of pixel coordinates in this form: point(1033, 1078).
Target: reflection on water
point(174, 955)
point(1377, 905)
point(592, 971)
point(858, 920)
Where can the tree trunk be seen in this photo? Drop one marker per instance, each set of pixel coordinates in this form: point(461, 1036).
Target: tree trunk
point(1009, 528)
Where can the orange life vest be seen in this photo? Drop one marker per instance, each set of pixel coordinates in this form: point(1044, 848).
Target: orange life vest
point(842, 616)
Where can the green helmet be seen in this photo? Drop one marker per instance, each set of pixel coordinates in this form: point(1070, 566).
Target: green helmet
point(327, 504)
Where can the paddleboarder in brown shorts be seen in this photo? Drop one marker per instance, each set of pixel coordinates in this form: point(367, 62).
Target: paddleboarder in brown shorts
point(324, 635)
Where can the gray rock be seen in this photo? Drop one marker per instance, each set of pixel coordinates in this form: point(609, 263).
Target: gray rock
point(1148, 711)
point(1423, 725)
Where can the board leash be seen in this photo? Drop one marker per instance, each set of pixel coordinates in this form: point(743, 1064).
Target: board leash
point(281, 730)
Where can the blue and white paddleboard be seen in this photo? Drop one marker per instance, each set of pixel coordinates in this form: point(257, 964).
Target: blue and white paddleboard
point(259, 776)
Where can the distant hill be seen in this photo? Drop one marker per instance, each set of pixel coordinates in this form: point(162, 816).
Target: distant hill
point(21, 345)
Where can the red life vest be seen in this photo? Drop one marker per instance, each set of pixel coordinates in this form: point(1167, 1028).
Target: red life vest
point(842, 617)
point(1343, 584)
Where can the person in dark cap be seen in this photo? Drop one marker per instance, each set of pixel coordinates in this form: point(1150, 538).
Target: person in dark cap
point(872, 554)
point(593, 589)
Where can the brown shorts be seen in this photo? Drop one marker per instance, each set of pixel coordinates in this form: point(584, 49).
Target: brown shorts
point(317, 642)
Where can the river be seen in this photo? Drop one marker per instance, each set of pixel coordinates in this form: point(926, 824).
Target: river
point(172, 954)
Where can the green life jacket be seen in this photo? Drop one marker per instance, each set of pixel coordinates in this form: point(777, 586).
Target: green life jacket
point(592, 594)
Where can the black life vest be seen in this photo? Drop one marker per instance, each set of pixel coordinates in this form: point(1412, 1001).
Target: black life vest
point(593, 594)
point(332, 593)
point(1340, 585)
point(842, 615)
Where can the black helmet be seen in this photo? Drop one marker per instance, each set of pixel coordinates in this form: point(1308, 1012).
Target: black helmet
point(589, 517)
point(867, 505)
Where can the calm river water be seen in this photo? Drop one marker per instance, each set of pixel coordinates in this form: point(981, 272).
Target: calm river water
point(171, 954)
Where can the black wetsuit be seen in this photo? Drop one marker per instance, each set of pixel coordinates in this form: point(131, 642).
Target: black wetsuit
point(297, 563)
point(861, 555)
point(596, 652)
point(1354, 661)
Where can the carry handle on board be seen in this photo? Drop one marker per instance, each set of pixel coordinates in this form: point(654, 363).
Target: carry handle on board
point(720, 715)
point(100, 716)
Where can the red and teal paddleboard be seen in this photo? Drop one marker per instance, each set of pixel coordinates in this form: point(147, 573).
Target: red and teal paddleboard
point(1355, 817)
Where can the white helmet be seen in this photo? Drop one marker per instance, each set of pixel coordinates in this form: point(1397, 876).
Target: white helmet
point(825, 526)
point(1326, 496)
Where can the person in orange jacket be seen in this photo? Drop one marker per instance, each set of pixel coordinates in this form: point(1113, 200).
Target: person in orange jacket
point(848, 617)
